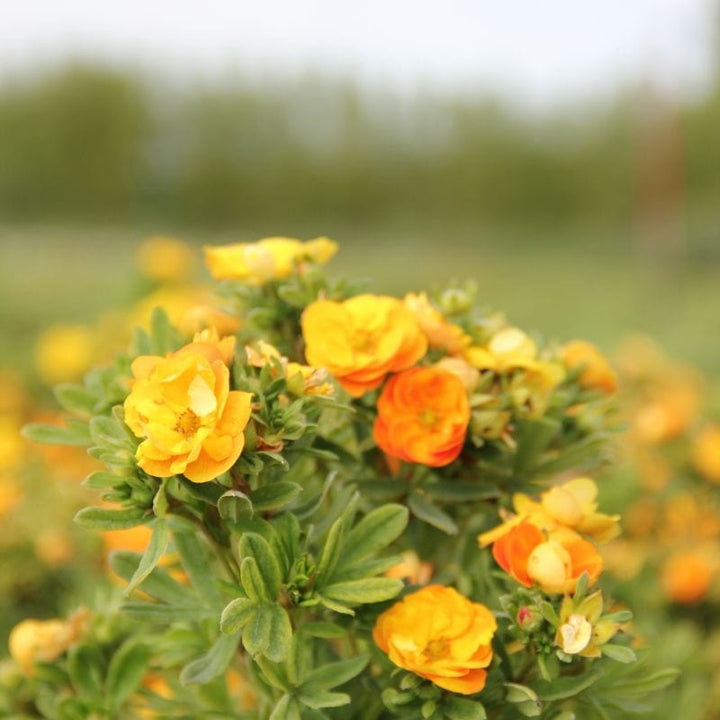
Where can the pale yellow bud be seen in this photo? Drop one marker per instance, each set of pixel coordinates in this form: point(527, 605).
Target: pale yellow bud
point(550, 566)
point(575, 634)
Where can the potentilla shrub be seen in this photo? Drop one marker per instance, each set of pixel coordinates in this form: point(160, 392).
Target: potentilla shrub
point(356, 506)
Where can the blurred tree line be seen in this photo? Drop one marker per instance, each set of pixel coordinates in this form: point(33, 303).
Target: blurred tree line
point(88, 144)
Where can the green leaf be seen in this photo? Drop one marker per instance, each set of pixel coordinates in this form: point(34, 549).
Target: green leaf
point(273, 673)
point(213, 663)
point(108, 430)
point(75, 399)
point(257, 631)
point(285, 541)
point(158, 583)
point(164, 613)
point(322, 630)
point(126, 671)
point(274, 495)
point(621, 653)
point(532, 436)
point(197, 564)
point(253, 582)
point(235, 506)
point(236, 614)
point(424, 510)
point(255, 546)
point(456, 708)
point(567, 687)
point(323, 699)
point(164, 336)
point(334, 674)
point(331, 552)
point(333, 605)
point(375, 531)
point(75, 434)
point(644, 685)
point(160, 502)
point(100, 480)
point(275, 457)
point(458, 491)
point(280, 633)
point(86, 669)
point(155, 550)
point(286, 709)
point(97, 518)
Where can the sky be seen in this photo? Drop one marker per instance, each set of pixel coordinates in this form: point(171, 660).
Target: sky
point(532, 51)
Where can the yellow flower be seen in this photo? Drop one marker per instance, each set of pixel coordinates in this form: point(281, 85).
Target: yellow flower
point(571, 505)
point(582, 629)
point(165, 259)
point(301, 379)
point(439, 332)
point(508, 349)
point(441, 636)
point(705, 453)
point(64, 352)
point(183, 408)
point(686, 575)
point(596, 372)
point(362, 339)
point(271, 258)
point(31, 641)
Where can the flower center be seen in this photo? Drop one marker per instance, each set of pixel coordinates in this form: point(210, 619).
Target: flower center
point(187, 423)
point(427, 418)
point(436, 648)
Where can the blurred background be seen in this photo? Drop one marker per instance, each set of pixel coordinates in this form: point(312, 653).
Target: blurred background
point(564, 155)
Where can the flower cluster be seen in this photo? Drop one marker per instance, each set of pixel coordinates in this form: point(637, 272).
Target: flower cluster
point(290, 481)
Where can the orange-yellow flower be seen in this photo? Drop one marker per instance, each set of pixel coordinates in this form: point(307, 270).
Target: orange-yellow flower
point(423, 414)
point(183, 408)
point(596, 373)
point(439, 332)
point(440, 635)
point(64, 352)
point(271, 258)
point(554, 562)
point(362, 339)
point(705, 453)
point(686, 576)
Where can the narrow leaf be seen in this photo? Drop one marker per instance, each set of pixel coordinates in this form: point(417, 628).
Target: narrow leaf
point(155, 550)
point(280, 633)
point(256, 633)
point(334, 674)
point(126, 671)
point(430, 513)
point(255, 546)
point(375, 531)
point(213, 663)
point(621, 653)
point(323, 699)
point(274, 495)
point(54, 435)
point(235, 506)
point(236, 614)
point(253, 582)
point(97, 518)
point(197, 564)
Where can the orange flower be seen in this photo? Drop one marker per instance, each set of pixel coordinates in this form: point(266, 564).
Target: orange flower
point(705, 453)
point(362, 339)
point(423, 414)
point(183, 408)
point(686, 577)
point(596, 372)
point(441, 636)
point(554, 562)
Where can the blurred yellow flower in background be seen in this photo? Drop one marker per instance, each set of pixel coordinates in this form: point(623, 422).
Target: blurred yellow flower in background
point(596, 373)
point(165, 259)
point(63, 353)
point(705, 453)
point(271, 258)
